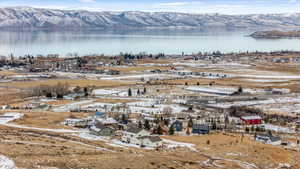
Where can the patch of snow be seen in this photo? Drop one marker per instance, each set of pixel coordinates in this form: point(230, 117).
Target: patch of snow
point(6, 163)
point(173, 144)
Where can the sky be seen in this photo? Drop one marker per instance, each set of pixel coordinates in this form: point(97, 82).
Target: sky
point(188, 6)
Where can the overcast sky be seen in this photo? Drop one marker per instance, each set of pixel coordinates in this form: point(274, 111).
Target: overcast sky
point(191, 6)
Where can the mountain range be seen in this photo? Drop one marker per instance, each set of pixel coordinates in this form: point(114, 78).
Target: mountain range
point(36, 18)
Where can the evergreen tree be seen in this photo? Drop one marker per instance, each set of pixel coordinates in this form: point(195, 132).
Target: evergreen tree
point(129, 92)
point(247, 130)
point(138, 92)
point(124, 119)
point(49, 95)
point(240, 90)
point(147, 125)
point(145, 90)
point(171, 130)
point(86, 91)
point(214, 125)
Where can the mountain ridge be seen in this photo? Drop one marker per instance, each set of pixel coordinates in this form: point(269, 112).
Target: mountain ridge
point(39, 18)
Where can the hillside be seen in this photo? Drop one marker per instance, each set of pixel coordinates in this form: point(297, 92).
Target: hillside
point(33, 18)
point(276, 34)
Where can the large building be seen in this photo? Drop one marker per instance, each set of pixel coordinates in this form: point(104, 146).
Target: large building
point(252, 120)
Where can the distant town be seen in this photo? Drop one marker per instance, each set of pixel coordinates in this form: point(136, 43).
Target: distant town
point(206, 110)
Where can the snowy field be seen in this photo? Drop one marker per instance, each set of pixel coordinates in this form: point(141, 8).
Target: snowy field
point(110, 92)
point(259, 102)
point(8, 117)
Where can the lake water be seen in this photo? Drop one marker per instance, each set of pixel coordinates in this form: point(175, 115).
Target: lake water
point(169, 42)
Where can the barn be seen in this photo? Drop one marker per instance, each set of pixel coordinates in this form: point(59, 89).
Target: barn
point(251, 120)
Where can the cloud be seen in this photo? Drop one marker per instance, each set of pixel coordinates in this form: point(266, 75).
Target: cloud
point(292, 1)
point(87, 1)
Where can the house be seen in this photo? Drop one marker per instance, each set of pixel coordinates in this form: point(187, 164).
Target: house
point(132, 135)
point(99, 114)
point(200, 129)
point(178, 125)
point(251, 120)
point(268, 139)
point(150, 141)
point(82, 123)
point(101, 130)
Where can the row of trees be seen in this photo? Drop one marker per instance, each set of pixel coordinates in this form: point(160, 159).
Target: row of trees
point(58, 90)
point(138, 92)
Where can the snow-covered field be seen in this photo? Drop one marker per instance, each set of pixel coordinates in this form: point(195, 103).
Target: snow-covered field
point(174, 144)
point(140, 76)
point(110, 92)
point(269, 76)
point(266, 80)
point(214, 90)
point(8, 117)
point(259, 102)
point(71, 106)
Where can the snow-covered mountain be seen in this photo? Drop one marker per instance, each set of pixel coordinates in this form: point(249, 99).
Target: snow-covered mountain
point(34, 18)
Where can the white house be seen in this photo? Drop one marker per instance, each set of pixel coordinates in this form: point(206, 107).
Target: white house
point(150, 141)
point(133, 134)
point(268, 139)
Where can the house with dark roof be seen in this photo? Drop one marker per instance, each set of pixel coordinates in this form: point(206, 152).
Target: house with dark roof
point(150, 141)
point(102, 130)
point(132, 134)
point(200, 129)
point(268, 138)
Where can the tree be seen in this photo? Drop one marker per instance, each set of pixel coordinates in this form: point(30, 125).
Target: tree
point(188, 131)
point(49, 95)
point(226, 121)
point(145, 90)
point(252, 129)
point(186, 83)
point(77, 89)
point(147, 125)
point(214, 125)
point(86, 91)
point(208, 142)
point(198, 83)
point(129, 92)
point(159, 130)
point(171, 130)
point(190, 123)
point(247, 130)
point(138, 92)
point(124, 119)
point(140, 124)
point(240, 90)
point(166, 122)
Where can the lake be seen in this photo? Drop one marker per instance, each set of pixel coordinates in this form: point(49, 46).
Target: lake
point(110, 42)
